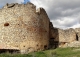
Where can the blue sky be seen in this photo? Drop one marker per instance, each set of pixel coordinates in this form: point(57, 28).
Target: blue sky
point(25, 1)
point(62, 13)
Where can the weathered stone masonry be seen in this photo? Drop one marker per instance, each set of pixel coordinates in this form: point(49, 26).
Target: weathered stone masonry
point(25, 29)
point(65, 38)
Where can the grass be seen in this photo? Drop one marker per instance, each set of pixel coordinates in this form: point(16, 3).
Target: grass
point(14, 55)
point(63, 52)
point(59, 52)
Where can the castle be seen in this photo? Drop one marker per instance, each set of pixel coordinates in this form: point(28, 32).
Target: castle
point(25, 29)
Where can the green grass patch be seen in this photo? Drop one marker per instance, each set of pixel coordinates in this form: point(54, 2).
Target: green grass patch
point(59, 52)
point(63, 52)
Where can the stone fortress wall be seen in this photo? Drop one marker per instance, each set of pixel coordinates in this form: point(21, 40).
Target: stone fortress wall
point(66, 38)
point(26, 29)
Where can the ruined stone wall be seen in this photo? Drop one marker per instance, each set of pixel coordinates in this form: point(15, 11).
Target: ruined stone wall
point(54, 37)
point(61, 38)
point(68, 35)
point(64, 38)
point(22, 27)
point(53, 32)
point(77, 30)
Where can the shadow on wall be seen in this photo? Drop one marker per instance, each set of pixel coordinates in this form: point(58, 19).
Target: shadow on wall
point(54, 37)
point(9, 51)
point(77, 38)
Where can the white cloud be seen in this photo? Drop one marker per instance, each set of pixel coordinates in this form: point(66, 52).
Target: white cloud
point(75, 26)
point(63, 13)
point(65, 22)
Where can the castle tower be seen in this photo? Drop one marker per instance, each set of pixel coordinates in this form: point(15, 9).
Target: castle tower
point(22, 27)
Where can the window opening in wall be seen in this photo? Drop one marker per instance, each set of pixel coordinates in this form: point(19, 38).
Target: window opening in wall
point(6, 24)
point(23, 46)
point(45, 46)
point(77, 37)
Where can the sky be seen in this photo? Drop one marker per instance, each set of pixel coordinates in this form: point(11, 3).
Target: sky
point(62, 13)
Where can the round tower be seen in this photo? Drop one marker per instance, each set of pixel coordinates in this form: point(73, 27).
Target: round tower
point(23, 27)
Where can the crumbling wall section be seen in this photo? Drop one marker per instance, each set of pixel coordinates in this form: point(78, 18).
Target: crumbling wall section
point(23, 28)
point(77, 30)
point(66, 36)
point(54, 37)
